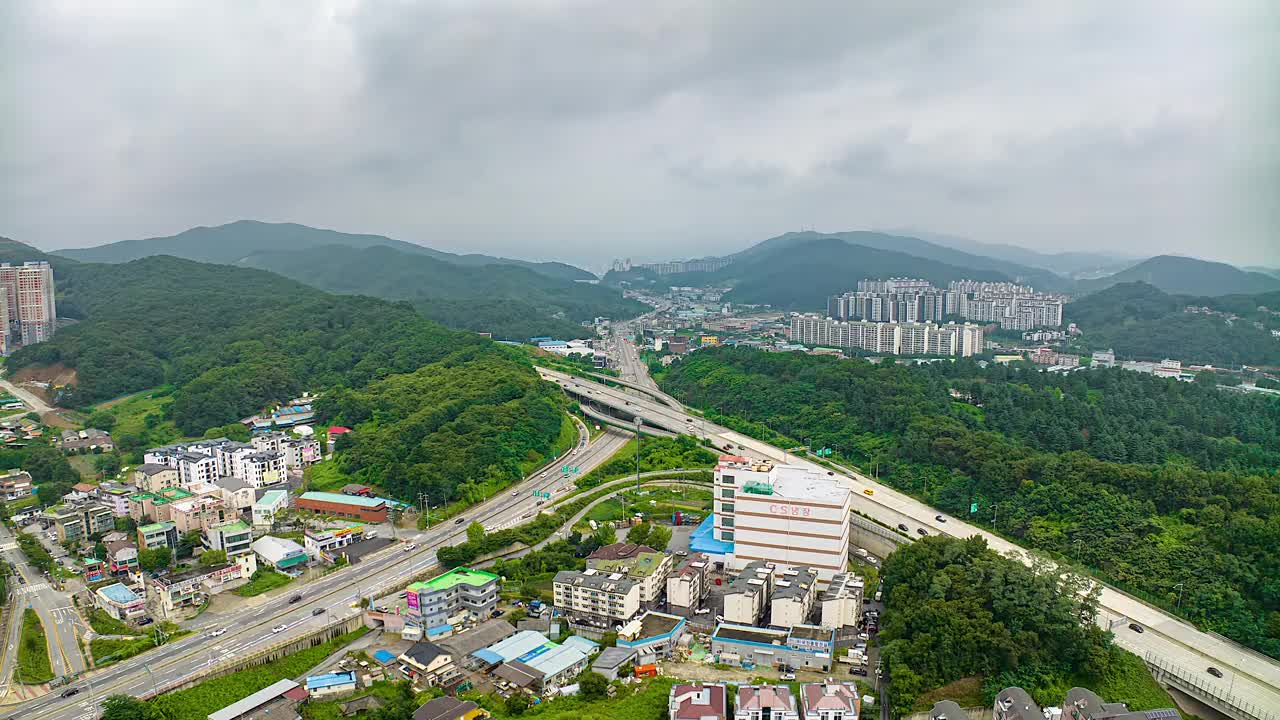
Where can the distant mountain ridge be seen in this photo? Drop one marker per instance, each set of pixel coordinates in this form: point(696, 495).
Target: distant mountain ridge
point(1069, 263)
point(1179, 275)
point(230, 243)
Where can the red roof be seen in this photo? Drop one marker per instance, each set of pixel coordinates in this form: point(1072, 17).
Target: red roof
point(338, 430)
point(298, 693)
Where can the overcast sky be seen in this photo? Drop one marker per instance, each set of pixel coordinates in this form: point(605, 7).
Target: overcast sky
point(585, 131)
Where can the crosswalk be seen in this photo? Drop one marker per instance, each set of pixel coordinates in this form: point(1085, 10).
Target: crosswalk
point(32, 588)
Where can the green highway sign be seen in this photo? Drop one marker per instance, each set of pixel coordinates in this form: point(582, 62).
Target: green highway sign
point(973, 507)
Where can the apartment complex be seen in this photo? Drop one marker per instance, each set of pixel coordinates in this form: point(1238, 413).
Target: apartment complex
point(842, 601)
point(158, 534)
point(457, 595)
point(746, 598)
point(645, 565)
point(795, 591)
point(1010, 305)
point(15, 485)
point(676, 267)
point(890, 338)
point(77, 521)
point(596, 600)
point(688, 586)
point(296, 453)
point(28, 312)
point(788, 515)
point(204, 461)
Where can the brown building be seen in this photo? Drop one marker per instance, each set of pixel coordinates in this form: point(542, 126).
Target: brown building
point(355, 507)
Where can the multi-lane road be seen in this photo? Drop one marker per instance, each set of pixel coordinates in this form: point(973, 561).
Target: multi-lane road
point(251, 627)
point(56, 613)
point(1247, 675)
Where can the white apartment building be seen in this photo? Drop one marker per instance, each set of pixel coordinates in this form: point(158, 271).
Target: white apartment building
point(297, 452)
point(260, 469)
point(28, 311)
point(194, 468)
point(787, 515)
point(890, 338)
point(267, 507)
point(795, 590)
point(688, 586)
point(747, 596)
point(842, 601)
point(595, 598)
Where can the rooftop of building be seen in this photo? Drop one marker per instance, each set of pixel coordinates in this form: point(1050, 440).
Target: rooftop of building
point(1018, 704)
point(842, 585)
point(947, 710)
point(829, 696)
point(758, 697)
point(270, 497)
point(619, 551)
point(794, 482)
point(277, 546)
point(329, 497)
point(119, 593)
point(1093, 707)
point(594, 580)
point(813, 632)
point(327, 680)
point(749, 633)
point(650, 625)
point(693, 565)
point(155, 527)
point(455, 577)
point(232, 483)
point(193, 573)
point(424, 653)
point(639, 565)
point(753, 579)
point(444, 708)
point(794, 584)
point(698, 701)
point(256, 700)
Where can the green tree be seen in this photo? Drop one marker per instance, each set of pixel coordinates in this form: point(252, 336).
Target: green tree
point(125, 707)
point(516, 704)
point(213, 557)
point(606, 535)
point(475, 532)
point(659, 537)
point(592, 686)
point(107, 464)
point(152, 559)
point(188, 542)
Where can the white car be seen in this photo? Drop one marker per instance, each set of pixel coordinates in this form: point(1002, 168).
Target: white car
point(411, 547)
point(514, 493)
point(218, 632)
point(278, 628)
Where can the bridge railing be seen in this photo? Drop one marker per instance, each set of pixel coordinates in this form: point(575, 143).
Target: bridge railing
point(1194, 684)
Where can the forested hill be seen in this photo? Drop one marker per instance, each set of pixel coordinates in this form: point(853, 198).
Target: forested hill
point(234, 241)
point(1148, 481)
point(1140, 321)
point(514, 303)
point(1188, 276)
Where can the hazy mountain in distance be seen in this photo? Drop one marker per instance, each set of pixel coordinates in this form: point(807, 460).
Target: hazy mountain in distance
point(801, 275)
point(914, 246)
point(1187, 276)
point(232, 242)
point(1273, 272)
point(1070, 263)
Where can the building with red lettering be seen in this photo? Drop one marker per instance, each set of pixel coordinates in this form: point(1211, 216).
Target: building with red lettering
point(784, 514)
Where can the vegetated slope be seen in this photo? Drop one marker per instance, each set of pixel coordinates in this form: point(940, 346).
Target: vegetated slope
point(518, 301)
point(801, 276)
point(234, 241)
point(915, 247)
point(1158, 480)
point(1140, 321)
point(1188, 276)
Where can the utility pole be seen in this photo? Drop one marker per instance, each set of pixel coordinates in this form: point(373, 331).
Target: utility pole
point(1179, 586)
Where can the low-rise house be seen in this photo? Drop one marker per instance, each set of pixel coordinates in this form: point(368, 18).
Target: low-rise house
point(276, 700)
point(120, 602)
point(281, 554)
point(947, 710)
point(653, 636)
point(529, 655)
point(429, 663)
point(830, 701)
point(449, 708)
point(192, 586)
point(122, 557)
point(610, 661)
point(86, 441)
point(688, 586)
point(236, 493)
point(159, 534)
point(15, 485)
point(765, 702)
point(697, 701)
point(842, 601)
point(268, 507)
point(334, 683)
point(1014, 703)
point(153, 477)
point(795, 591)
point(234, 537)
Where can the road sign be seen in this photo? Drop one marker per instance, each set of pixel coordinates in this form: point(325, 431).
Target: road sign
point(824, 452)
point(973, 507)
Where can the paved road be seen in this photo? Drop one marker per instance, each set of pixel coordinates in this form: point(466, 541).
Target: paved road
point(31, 399)
point(55, 610)
point(250, 626)
point(1249, 676)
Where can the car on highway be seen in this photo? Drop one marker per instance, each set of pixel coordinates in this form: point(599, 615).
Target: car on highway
point(294, 599)
point(921, 531)
point(217, 632)
point(1135, 627)
point(1215, 671)
point(868, 491)
point(71, 691)
point(517, 492)
point(939, 518)
point(278, 628)
point(318, 611)
point(902, 527)
point(411, 547)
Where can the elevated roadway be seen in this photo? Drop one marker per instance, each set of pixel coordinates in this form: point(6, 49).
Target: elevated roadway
point(1249, 677)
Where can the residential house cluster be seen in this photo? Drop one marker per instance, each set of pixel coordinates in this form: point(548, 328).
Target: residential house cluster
point(90, 440)
point(817, 701)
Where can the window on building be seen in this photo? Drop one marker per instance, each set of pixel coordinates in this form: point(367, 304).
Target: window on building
point(726, 507)
point(727, 535)
point(726, 480)
point(726, 522)
point(726, 493)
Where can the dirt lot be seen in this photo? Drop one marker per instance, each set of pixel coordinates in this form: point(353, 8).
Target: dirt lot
point(55, 374)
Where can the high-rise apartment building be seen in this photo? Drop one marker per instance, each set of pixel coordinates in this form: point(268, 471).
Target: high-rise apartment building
point(28, 311)
point(890, 338)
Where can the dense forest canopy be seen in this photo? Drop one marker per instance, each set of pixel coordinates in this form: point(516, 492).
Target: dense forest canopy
point(1150, 482)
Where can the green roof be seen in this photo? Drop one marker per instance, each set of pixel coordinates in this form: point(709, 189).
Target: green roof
point(456, 576)
point(642, 565)
point(235, 527)
point(270, 497)
point(344, 499)
point(156, 527)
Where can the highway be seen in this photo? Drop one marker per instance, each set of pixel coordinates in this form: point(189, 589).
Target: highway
point(251, 626)
point(56, 613)
point(1248, 676)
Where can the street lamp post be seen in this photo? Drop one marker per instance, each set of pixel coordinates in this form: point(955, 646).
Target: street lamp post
point(1179, 586)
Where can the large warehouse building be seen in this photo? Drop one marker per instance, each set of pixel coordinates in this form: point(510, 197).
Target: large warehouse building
point(783, 514)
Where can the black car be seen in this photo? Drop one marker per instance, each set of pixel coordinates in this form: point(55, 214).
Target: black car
point(71, 691)
point(318, 611)
point(145, 621)
point(921, 531)
point(458, 521)
point(1215, 671)
point(1135, 627)
point(294, 599)
point(939, 518)
point(902, 527)
point(857, 671)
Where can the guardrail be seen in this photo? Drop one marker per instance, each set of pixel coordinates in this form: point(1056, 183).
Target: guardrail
point(1193, 684)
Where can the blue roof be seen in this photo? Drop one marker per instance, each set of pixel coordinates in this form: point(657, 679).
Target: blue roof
point(702, 539)
point(331, 679)
point(438, 630)
point(581, 643)
point(488, 656)
point(118, 593)
point(384, 656)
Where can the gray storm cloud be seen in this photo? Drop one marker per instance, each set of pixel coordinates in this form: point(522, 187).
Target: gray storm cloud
point(584, 131)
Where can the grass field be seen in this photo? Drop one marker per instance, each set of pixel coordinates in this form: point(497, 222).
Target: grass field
point(104, 624)
point(197, 702)
point(131, 416)
point(263, 581)
point(33, 652)
point(107, 651)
